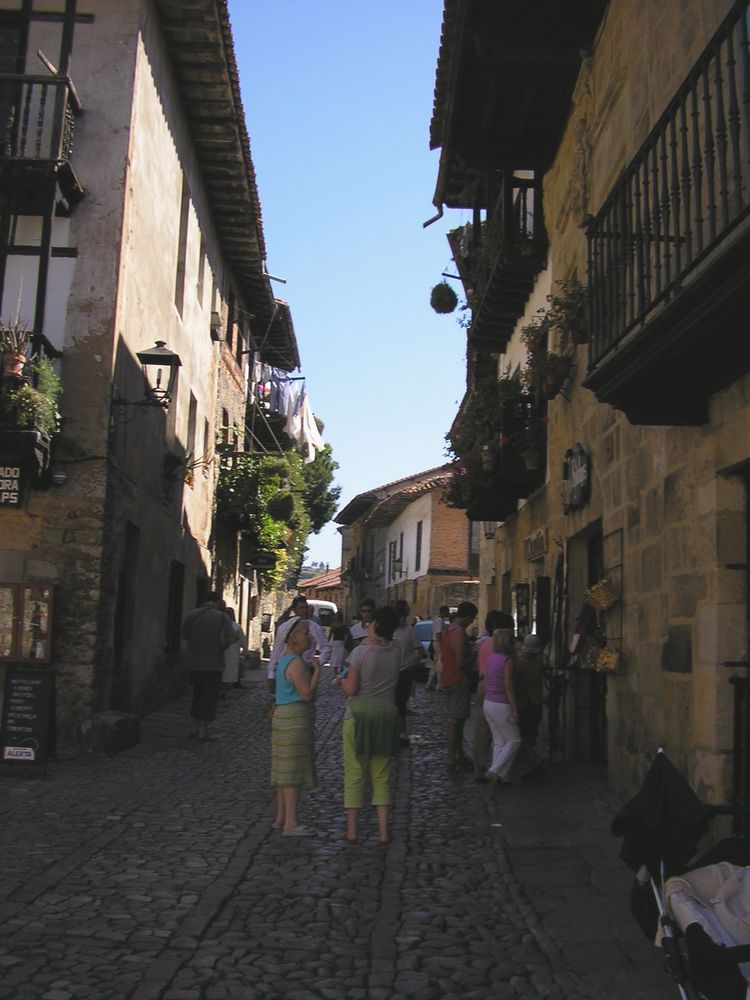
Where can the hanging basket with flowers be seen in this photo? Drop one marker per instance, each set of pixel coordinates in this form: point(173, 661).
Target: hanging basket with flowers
point(443, 299)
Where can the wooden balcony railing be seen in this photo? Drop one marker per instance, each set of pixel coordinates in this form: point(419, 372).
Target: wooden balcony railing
point(37, 118)
point(685, 192)
point(506, 253)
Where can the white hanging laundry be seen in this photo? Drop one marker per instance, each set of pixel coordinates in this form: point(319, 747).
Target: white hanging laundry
point(313, 442)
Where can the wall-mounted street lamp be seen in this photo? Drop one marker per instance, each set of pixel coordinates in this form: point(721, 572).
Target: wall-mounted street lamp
point(489, 529)
point(154, 361)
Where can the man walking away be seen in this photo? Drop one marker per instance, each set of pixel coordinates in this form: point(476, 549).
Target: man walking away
point(439, 624)
point(208, 633)
point(457, 669)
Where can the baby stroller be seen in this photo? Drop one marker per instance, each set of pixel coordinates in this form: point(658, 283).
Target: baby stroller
point(696, 910)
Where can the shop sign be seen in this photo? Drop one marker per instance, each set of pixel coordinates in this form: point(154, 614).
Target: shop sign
point(577, 478)
point(260, 559)
point(536, 545)
point(11, 483)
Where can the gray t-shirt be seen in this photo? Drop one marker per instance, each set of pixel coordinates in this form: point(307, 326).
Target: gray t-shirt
point(202, 629)
point(378, 671)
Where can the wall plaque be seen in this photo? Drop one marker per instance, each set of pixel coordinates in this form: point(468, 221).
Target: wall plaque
point(536, 545)
point(577, 478)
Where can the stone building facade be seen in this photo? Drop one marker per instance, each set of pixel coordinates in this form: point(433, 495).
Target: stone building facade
point(143, 225)
point(635, 138)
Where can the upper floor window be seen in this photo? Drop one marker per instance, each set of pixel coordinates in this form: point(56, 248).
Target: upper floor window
point(418, 550)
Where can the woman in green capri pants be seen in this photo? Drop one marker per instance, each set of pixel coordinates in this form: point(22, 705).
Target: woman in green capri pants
point(371, 721)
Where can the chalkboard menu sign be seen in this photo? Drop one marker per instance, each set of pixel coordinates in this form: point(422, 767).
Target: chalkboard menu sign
point(26, 733)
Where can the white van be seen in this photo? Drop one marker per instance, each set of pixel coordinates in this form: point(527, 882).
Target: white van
point(323, 611)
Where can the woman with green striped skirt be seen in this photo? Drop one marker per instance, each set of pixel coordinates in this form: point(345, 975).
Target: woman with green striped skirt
point(293, 729)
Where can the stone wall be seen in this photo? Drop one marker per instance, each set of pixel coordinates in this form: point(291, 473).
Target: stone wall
point(665, 497)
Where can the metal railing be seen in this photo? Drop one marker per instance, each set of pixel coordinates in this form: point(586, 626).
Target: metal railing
point(684, 193)
point(37, 118)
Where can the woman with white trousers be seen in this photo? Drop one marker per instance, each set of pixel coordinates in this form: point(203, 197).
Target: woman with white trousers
point(500, 707)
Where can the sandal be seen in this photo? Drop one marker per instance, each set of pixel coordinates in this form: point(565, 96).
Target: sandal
point(299, 831)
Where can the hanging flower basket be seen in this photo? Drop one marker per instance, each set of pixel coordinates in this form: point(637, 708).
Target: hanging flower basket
point(443, 299)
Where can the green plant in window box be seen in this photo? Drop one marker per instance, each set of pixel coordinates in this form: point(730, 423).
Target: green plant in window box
point(567, 313)
point(34, 403)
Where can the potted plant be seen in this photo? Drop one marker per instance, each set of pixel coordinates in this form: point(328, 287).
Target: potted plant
point(567, 312)
point(527, 431)
point(442, 298)
point(557, 370)
point(33, 403)
point(15, 338)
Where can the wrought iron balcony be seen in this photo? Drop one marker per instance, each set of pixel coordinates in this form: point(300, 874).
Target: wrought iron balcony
point(668, 275)
point(37, 121)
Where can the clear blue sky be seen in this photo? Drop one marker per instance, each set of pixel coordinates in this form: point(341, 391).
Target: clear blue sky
point(338, 100)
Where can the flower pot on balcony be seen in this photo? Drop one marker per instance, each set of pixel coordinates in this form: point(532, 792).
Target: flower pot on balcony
point(13, 363)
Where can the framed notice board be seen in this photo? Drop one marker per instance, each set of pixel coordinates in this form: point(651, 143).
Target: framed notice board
point(27, 722)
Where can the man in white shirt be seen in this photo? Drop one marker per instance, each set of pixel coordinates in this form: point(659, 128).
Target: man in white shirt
point(439, 625)
point(359, 629)
point(319, 649)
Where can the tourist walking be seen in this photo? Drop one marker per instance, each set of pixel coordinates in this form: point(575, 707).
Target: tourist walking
point(439, 624)
point(319, 644)
point(231, 676)
point(293, 728)
point(208, 633)
point(482, 748)
point(370, 733)
point(500, 706)
point(528, 688)
point(458, 665)
point(341, 641)
point(359, 630)
point(411, 653)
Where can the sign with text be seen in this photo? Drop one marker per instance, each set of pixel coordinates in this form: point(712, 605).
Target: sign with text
point(577, 478)
point(11, 485)
point(26, 733)
point(536, 545)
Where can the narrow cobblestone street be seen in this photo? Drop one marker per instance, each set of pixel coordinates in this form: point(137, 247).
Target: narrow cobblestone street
point(156, 874)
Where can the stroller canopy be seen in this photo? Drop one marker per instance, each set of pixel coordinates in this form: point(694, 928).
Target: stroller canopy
point(664, 820)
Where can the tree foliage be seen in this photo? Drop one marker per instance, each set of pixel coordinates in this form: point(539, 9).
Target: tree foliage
point(321, 498)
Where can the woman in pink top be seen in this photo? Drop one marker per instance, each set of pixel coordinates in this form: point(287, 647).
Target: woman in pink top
point(500, 707)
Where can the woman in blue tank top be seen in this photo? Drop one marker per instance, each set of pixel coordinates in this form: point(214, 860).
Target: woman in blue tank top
point(292, 729)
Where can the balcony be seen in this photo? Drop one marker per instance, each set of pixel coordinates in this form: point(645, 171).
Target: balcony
point(500, 437)
point(37, 121)
point(499, 259)
point(668, 252)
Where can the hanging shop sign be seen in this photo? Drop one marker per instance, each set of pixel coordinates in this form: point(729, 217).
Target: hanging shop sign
point(576, 478)
point(536, 545)
point(261, 559)
point(11, 485)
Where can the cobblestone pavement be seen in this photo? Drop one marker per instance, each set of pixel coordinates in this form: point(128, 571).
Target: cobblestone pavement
point(156, 874)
